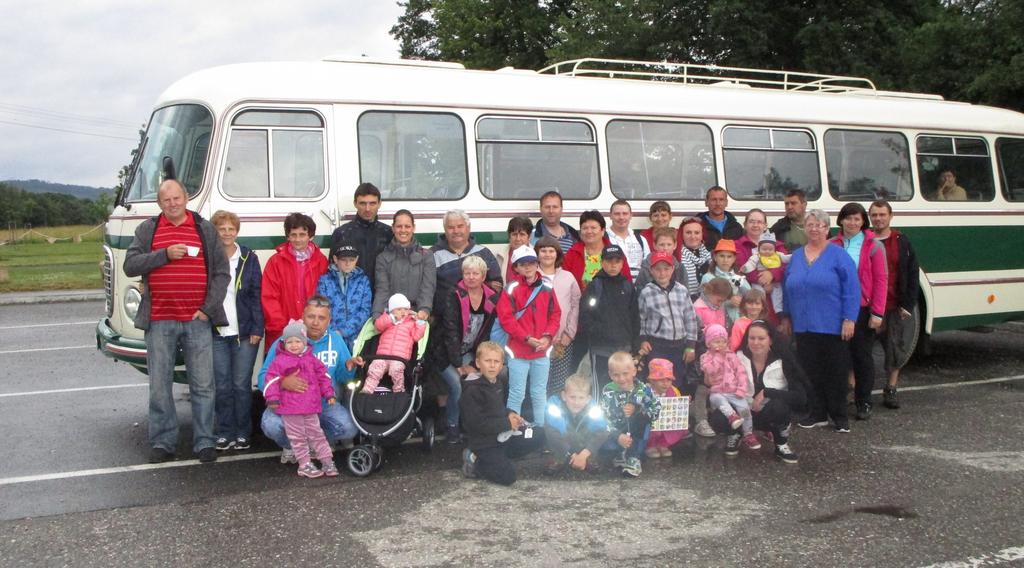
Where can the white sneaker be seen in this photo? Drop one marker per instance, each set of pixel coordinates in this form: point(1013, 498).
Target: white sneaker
point(704, 429)
point(288, 456)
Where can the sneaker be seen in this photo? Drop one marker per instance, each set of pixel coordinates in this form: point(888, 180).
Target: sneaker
point(889, 398)
point(468, 464)
point(207, 455)
point(785, 453)
point(632, 468)
point(704, 429)
point(242, 443)
point(735, 421)
point(842, 427)
point(453, 436)
point(810, 422)
point(309, 470)
point(329, 469)
point(223, 444)
point(751, 441)
point(666, 453)
point(863, 410)
point(288, 456)
point(160, 455)
point(732, 444)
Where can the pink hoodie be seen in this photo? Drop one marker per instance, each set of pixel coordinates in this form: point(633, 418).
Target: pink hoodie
point(723, 372)
point(872, 273)
point(310, 369)
point(398, 338)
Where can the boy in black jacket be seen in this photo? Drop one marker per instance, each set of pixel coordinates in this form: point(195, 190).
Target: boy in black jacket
point(496, 434)
point(609, 320)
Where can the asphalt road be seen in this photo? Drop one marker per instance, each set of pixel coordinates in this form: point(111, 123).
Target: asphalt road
point(938, 482)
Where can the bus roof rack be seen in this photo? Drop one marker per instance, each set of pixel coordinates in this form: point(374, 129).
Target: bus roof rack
point(692, 73)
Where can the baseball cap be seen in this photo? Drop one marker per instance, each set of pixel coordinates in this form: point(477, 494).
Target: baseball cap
point(612, 252)
point(661, 256)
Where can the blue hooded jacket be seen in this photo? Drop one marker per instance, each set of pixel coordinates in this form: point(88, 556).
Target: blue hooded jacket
point(350, 308)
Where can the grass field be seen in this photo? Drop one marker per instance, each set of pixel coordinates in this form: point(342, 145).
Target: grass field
point(33, 263)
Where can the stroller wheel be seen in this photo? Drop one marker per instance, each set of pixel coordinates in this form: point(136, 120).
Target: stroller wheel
point(361, 461)
point(428, 434)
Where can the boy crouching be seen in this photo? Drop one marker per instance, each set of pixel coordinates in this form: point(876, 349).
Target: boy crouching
point(575, 428)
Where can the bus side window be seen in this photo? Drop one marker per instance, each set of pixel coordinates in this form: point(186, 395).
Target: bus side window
point(659, 160)
point(1011, 167)
point(275, 153)
point(954, 169)
point(864, 166)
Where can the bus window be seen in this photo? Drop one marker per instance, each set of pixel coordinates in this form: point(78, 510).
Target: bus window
point(865, 166)
point(954, 169)
point(292, 142)
point(523, 158)
point(660, 160)
point(1011, 167)
point(413, 155)
point(765, 163)
point(180, 132)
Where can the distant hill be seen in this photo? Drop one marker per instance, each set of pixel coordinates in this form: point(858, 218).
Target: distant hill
point(40, 186)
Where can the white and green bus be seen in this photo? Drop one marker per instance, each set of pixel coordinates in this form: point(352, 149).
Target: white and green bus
point(266, 139)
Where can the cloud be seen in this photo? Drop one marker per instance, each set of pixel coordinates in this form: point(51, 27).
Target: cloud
point(97, 67)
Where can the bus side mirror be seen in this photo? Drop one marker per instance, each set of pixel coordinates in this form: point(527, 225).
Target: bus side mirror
point(167, 171)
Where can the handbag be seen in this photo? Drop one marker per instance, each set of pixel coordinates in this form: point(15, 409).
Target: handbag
point(498, 333)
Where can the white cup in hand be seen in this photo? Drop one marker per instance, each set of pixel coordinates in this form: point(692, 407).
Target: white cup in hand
point(192, 251)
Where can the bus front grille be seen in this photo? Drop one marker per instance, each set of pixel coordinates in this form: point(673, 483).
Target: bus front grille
point(108, 279)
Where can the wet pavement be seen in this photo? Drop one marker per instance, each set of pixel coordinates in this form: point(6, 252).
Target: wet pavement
point(938, 481)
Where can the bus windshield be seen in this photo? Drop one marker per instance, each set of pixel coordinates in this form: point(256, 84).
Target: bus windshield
point(181, 133)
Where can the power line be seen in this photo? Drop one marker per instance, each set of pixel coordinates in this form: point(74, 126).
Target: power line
point(67, 115)
point(68, 130)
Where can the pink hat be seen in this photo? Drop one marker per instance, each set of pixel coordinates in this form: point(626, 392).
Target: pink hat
point(713, 332)
point(660, 369)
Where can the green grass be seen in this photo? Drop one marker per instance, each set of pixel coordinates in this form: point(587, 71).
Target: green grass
point(34, 264)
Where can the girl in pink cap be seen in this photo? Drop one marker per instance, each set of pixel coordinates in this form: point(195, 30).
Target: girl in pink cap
point(660, 377)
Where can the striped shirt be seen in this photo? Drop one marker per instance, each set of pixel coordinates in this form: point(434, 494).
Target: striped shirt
point(178, 288)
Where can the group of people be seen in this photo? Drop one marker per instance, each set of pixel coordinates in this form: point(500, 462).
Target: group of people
point(596, 326)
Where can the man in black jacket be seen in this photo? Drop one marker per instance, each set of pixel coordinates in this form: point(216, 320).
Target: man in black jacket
point(365, 232)
point(496, 434)
point(718, 223)
point(901, 295)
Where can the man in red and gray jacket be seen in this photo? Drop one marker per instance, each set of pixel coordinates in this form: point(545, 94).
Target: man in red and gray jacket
point(185, 276)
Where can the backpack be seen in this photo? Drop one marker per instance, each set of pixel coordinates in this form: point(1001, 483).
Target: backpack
point(498, 333)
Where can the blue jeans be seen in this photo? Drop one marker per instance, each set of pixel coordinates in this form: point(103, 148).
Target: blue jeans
point(335, 421)
point(454, 381)
point(536, 370)
point(233, 361)
point(196, 340)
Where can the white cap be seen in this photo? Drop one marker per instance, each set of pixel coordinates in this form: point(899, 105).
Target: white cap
point(524, 254)
point(398, 301)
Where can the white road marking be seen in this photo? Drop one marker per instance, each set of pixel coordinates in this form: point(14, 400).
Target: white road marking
point(1003, 556)
point(956, 385)
point(1004, 462)
point(128, 468)
point(91, 345)
point(92, 322)
point(476, 514)
point(79, 389)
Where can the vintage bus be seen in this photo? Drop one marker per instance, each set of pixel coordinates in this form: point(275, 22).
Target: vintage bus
point(266, 139)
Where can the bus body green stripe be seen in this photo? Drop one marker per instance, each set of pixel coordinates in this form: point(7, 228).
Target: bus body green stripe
point(122, 242)
point(957, 248)
point(961, 322)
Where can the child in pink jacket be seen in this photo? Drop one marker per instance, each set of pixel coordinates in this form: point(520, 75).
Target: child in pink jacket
point(399, 331)
point(725, 377)
point(300, 411)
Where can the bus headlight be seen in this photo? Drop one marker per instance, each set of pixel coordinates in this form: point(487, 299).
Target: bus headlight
point(132, 301)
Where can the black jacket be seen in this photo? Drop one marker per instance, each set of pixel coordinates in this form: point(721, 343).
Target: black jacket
point(369, 238)
point(484, 415)
point(780, 229)
point(453, 325)
point(609, 316)
point(907, 283)
point(733, 230)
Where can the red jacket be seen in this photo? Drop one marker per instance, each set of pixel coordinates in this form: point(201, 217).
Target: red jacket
point(280, 290)
point(872, 273)
point(576, 264)
point(542, 317)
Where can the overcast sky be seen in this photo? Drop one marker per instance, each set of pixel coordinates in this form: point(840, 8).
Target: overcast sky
point(96, 67)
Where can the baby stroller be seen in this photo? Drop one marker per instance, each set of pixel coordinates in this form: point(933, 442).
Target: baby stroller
point(384, 418)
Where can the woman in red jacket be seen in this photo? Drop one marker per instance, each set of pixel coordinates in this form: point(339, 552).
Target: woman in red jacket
point(584, 257)
point(291, 275)
point(873, 273)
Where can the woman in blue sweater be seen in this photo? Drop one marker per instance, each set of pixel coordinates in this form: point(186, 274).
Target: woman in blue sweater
point(821, 293)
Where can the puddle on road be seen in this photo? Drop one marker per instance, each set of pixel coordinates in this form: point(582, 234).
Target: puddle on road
point(989, 461)
point(546, 523)
point(893, 511)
